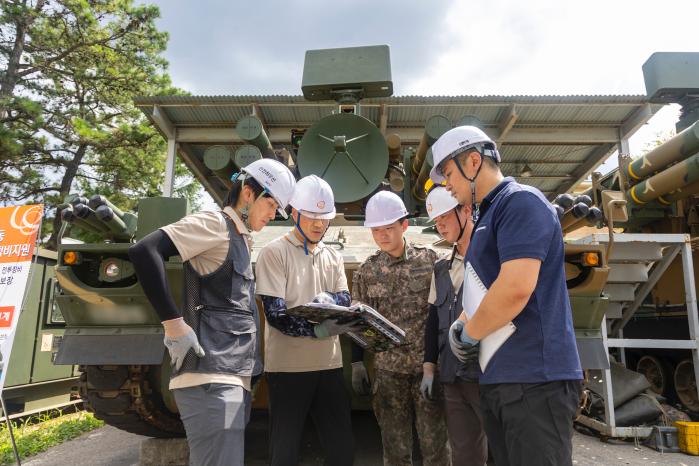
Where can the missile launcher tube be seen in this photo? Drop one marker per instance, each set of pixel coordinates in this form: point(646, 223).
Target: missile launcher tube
point(571, 217)
point(396, 178)
point(218, 159)
point(251, 130)
point(423, 176)
point(88, 215)
point(559, 211)
point(593, 217)
point(115, 224)
point(435, 126)
point(585, 199)
point(99, 200)
point(75, 199)
point(680, 193)
point(676, 149)
point(566, 201)
point(68, 216)
point(393, 142)
point(681, 174)
point(246, 154)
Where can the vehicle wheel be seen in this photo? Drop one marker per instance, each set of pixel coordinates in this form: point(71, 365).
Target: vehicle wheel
point(122, 397)
point(686, 385)
point(657, 373)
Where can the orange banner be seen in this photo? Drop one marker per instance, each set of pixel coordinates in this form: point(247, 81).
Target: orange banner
point(19, 226)
point(7, 314)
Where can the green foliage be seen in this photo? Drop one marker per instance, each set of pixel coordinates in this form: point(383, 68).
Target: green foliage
point(40, 433)
point(658, 139)
point(70, 69)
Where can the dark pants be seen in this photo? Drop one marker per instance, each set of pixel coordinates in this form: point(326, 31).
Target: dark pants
point(530, 424)
point(292, 396)
point(462, 406)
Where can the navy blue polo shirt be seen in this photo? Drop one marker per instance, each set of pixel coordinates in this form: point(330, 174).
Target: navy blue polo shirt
point(517, 222)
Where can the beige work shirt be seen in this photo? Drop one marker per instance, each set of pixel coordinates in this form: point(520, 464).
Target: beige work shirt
point(202, 239)
point(283, 270)
point(457, 277)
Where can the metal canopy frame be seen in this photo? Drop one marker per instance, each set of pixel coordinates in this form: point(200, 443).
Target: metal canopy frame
point(673, 245)
point(561, 138)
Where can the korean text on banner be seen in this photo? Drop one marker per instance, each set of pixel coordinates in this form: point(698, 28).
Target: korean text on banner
point(19, 226)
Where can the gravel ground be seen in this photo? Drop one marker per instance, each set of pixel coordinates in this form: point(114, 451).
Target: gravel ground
point(109, 446)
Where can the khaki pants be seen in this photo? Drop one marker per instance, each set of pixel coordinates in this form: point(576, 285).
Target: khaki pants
point(462, 404)
point(397, 404)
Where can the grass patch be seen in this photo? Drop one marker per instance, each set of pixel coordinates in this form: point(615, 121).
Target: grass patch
point(39, 433)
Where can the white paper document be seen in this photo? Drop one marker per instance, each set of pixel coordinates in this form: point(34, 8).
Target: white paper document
point(474, 291)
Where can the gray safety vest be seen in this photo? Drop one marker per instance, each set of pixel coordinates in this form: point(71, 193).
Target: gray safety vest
point(221, 309)
point(448, 304)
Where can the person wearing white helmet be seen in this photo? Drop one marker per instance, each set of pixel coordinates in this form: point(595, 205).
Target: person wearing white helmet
point(213, 340)
point(396, 281)
point(459, 380)
point(303, 360)
point(530, 387)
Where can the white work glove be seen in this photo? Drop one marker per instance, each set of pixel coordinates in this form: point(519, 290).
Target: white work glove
point(324, 298)
point(179, 339)
point(464, 347)
point(360, 379)
point(426, 387)
point(427, 382)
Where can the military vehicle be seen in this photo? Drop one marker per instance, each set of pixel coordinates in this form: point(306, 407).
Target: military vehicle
point(656, 195)
point(33, 383)
point(340, 132)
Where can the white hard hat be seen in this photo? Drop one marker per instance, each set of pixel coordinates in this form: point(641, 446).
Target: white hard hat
point(275, 178)
point(439, 201)
point(314, 198)
point(458, 140)
point(383, 209)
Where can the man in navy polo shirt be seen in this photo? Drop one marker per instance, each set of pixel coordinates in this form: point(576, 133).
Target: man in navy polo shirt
point(530, 388)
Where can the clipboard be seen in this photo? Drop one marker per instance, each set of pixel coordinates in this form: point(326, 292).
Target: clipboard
point(474, 292)
point(375, 333)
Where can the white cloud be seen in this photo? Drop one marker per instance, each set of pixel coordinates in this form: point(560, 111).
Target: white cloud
point(552, 47)
point(541, 47)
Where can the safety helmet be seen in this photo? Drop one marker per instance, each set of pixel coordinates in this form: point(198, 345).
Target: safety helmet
point(383, 209)
point(275, 178)
point(314, 198)
point(456, 141)
point(439, 201)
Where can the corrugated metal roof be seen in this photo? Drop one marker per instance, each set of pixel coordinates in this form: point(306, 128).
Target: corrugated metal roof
point(555, 164)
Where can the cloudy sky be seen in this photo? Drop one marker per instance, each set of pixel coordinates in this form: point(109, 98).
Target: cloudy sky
point(438, 47)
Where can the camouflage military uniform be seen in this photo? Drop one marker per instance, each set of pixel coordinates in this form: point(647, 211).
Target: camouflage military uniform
point(398, 288)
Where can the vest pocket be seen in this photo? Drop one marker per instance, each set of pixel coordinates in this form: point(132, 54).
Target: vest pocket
point(229, 339)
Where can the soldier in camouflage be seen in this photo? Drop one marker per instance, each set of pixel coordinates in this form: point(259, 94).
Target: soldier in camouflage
point(396, 282)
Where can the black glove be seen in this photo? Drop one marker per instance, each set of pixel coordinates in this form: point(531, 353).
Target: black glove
point(465, 349)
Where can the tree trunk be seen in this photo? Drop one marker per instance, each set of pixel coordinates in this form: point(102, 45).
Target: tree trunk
point(10, 78)
point(66, 183)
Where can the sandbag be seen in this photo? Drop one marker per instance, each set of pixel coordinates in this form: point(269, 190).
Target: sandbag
point(626, 383)
point(642, 409)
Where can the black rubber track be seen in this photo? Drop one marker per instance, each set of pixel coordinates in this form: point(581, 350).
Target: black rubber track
point(105, 394)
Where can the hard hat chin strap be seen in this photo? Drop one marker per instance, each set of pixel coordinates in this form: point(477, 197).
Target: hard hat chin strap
point(306, 240)
point(462, 228)
point(472, 182)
